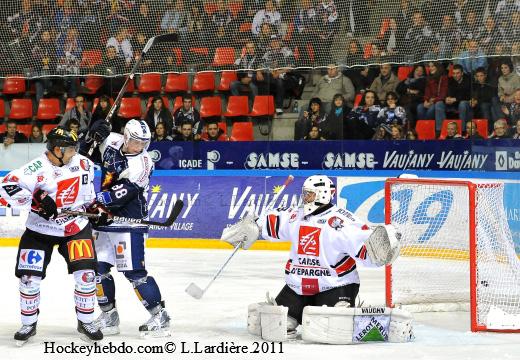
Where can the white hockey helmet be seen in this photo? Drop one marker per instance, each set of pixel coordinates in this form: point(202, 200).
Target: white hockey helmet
point(137, 134)
point(317, 191)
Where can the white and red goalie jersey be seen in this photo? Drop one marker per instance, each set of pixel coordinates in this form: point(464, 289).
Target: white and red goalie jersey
point(325, 248)
point(70, 186)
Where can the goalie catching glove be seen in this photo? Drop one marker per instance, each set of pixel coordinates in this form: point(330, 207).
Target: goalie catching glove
point(383, 245)
point(245, 232)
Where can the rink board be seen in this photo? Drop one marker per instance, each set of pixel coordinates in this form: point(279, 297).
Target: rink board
point(216, 199)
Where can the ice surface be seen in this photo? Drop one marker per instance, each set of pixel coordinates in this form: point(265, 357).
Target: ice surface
point(221, 314)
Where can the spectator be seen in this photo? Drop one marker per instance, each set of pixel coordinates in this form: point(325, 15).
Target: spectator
point(508, 83)
point(186, 133)
point(111, 66)
point(89, 23)
point(501, 130)
point(473, 58)
point(512, 110)
point(495, 64)
point(159, 113)
point(72, 125)
point(37, 136)
point(333, 128)
point(396, 132)
point(362, 120)
point(263, 40)
point(214, 133)
point(175, 19)
point(44, 58)
point(459, 94)
point(66, 18)
point(69, 52)
point(411, 135)
point(516, 134)
point(354, 55)
point(483, 98)
point(197, 23)
point(382, 133)
point(122, 45)
point(145, 17)
point(267, 15)
point(515, 57)
point(333, 83)
point(392, 114)
point(452, 132)
point(305, 30)
point(470, 29)
point(314, 134)
point(327, 25)
point(160, 133)
point(247, 64)
point(417, 36)
point(448, 37)
point(101, 110)
point(222, 16)
point(78, 112)
point(11, 134)
point(489, 36)
point(187, 114)
point(411, 91)
point(385, 82)
point(435, 93)
point(471, 131)
point(314, 115)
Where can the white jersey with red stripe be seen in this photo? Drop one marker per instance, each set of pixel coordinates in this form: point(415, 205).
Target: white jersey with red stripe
point(71, 186)
point(325, 248)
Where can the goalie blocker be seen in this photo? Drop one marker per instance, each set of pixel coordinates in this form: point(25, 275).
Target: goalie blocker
point(331, 325)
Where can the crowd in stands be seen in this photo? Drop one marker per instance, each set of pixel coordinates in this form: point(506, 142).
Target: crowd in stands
point(268, 39)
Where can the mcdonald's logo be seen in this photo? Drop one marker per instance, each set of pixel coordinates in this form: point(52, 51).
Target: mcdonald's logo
point(80, 249)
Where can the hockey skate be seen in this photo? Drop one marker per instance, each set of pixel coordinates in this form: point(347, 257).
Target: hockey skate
point(25, 332)
point(89, 332)
point(108, 322)
point(158, 325)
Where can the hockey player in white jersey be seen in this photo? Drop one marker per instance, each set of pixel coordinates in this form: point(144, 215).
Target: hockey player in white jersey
point(327, 244)
point(59, 179)
point(126, 171)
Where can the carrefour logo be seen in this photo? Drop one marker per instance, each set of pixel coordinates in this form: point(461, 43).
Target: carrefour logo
point(506, 161)
point(31, 259)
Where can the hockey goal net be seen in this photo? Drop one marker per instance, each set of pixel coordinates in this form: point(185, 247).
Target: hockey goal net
point(457, 251)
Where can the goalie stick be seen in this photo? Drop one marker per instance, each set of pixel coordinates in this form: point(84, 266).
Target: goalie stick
point(195, 291)
point(151, 42)
point(177, 208)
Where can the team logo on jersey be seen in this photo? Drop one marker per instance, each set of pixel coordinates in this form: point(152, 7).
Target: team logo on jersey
point(80, 249)
point(10, 178)
point(57, 173)
point(336, 223)
point(74, 168)
point(309, 241)
point(84, 164)
point(67, 192)
point(40, 178)
point(293, 217)
point(31, 259)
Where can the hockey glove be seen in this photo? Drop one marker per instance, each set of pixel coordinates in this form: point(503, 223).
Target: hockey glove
point(104, 218)
point(100, 131)
point(44, 205)
point(245, 232)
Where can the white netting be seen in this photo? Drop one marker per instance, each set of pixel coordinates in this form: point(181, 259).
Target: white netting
point(70, 37)
point(433, 271)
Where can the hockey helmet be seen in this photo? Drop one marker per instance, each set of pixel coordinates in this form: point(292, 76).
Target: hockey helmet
point(137, 132)
point(317, 190)
point(61, 137)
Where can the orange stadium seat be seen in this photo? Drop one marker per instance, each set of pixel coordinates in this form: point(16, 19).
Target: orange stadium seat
point(91, 58)
point(2, 109)
point(93, 83)
point(357, 99)
point(403, 72)
point(237, 106)
point(482, 127)
point(224, 56)
point(130, 108)
point(425, 129)
point(445, 127)
point(150, 82)
point(222, 125)
point(203, 81)
point(210, 107)
point(178, 56)
point(24, 129)
point(176, 82)
point(210, 7)
point(48, 109)
point(236, 7)
point(21, 109)
point(226, 78)
point(48, 127)
point(242, 131)
point(263, 106)
point(245, 27)
point(14, 85)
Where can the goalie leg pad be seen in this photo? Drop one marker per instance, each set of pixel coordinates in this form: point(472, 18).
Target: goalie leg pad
point(253, 319)
point(273, 322)
point(341, 325)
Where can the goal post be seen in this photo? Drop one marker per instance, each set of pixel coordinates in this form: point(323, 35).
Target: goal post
point(457, 251)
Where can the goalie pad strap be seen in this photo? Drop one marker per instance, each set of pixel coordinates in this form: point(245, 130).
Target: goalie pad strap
point(341, 325)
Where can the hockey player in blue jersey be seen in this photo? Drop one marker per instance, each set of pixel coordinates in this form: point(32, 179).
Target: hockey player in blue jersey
point(126, 170)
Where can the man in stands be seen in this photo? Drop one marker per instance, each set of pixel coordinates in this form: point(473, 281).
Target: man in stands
point(452, 131)
point(247, 65)
point(122, 45)
point(78, 112)
point(187, 114)
point(385, 82)
point(186, 133)
point(334, 83)
point(12, 136)
point(459, 94)
point(214, 133)
point(484, 101)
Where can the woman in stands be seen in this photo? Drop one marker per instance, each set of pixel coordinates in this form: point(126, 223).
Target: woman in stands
point(101, 110)
point(435, 93)
point(37, 136)
point(158, 113)
point(314, 115)
point(411, 92)
point(362, 120)
point(397, 132)
point(160, 133)
point(392, 113)
point(333, 126)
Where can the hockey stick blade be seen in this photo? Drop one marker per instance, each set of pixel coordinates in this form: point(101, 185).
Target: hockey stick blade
point(194, 291)
point(160, 39)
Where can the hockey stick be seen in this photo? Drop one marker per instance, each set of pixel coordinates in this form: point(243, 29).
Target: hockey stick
point(177, 208)
point(195, 291)
point(151, 42)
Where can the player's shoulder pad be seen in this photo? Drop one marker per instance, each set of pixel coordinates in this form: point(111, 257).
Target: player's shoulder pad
point(139, 169)
point(114, 140)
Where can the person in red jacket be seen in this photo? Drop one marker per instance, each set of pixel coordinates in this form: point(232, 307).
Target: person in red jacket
point(435, 93)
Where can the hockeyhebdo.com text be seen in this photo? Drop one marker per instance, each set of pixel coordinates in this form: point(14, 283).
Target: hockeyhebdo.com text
point(170, 347)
